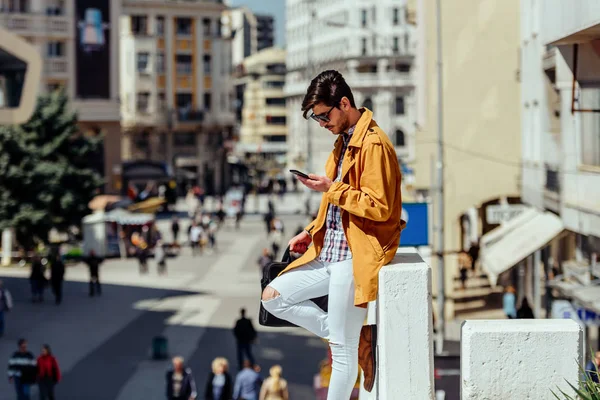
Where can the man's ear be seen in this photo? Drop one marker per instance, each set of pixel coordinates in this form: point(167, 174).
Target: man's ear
point(345, 104)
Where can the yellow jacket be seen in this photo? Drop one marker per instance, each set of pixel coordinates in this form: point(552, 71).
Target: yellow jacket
point(371, 204)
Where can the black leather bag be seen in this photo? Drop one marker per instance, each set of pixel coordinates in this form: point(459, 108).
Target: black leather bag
point(269, 273)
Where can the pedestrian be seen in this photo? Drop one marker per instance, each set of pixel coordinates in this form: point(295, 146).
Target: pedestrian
point(213, 227)
point(48, 373)
point(247, 382)
point(57, 276)
point(275, 238)
point(591, 368)
point(464, 260)
point(265, 259)
point(195, 238)
point(37, 280)
point(22, 370)
point(245, 335)
point(274, 387)
point(6, 305)
point(474, 254)
point(219, 385)
point(268, 219)
point(365, 184)
point(180, 382)
point(509, 302)
point(175, 230)
point(525, 312)
point(94, 262)
point(141, 251)
point(160, 255)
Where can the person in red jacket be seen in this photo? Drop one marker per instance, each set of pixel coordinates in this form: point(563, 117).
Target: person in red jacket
point(48, 373)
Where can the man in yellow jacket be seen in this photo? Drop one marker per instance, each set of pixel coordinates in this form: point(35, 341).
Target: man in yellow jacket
point(356, 232)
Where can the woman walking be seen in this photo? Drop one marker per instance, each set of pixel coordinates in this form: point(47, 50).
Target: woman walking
point(274, 387)
point(48, 373)
point(219, 385)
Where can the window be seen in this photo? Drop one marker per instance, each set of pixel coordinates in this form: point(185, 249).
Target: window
point(399, 105)
point(273, 84)
point(590, 126)
point(143, 99)
point(160, 25)
point(184, 138)
point(160, 63)
point(396, 16)
point(364, 46)
point(56, 9)
point(184, 26)
point(183, 100)
point(368, 103)
point(403, 67)
point(276, 68)
point(275, 101)
point(207, 101)
point(275, 138)
point(139, 24)
point(207, 64)
point(363, 18)
point(162, 101)
point(142, 62)
point(183, 63)
point(275, 120)
point(56, 49)
point(399, 138)
point(206, 25)
point(396, 45)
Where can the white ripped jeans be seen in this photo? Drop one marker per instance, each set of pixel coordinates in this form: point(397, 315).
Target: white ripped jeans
point(342, 323)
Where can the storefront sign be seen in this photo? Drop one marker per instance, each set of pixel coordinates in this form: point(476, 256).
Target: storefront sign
point(498, 213)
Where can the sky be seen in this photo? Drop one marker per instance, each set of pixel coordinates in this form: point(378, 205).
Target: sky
point(274, 7)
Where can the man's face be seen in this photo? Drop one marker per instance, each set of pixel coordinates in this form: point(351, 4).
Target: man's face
point(338, 118)
point(178, 365)
point(23, 347)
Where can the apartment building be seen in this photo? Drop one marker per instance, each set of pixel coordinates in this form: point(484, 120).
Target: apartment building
point(176, 92)
point(372, 44)
point(79, 44)
point(263, 131)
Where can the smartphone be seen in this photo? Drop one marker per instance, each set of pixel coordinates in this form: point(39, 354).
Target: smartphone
point(302, 174)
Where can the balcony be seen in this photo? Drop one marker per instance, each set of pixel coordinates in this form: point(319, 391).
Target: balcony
point(56, 67)
point(379, 80)
point(28, 24)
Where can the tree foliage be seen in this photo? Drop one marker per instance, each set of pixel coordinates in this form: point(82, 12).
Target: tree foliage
point(45, 175)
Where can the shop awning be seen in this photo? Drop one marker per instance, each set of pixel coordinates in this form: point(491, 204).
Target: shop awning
point(513, 241)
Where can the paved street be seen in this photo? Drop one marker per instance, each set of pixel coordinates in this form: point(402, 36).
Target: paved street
point(103, 344)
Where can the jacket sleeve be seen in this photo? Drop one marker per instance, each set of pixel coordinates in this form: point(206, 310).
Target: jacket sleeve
point(193, 392)
point(373, 200)
point(57, 370)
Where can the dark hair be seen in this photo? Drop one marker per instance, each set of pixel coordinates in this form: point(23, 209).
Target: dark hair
point(47, 347)
point(243, 311)
point(21, 342)
point(329, 87)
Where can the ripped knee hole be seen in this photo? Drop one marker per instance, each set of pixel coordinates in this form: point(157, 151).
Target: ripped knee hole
point(269, 294)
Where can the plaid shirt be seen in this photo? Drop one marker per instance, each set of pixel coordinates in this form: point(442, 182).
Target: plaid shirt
point(335, 245)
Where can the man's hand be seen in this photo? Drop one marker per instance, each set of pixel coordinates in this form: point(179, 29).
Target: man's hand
point(316, 182)
point(300, 242)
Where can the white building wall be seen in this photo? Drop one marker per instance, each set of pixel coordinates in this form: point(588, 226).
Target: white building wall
point(330, 37)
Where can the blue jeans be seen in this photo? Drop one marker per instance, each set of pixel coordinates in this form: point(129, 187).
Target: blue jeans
point(1, 322)
point(23, 389)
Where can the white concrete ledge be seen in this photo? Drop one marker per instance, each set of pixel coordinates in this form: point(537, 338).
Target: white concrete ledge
point(519, 359)
point(405, 331)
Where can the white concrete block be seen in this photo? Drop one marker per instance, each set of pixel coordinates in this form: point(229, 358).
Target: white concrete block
point(405, 332)
point(519, 359)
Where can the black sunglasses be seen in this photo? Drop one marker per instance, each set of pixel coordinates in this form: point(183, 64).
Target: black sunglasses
point(322, 117)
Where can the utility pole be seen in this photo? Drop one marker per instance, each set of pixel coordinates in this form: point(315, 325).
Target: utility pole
point(310, 70)
point(439, 224)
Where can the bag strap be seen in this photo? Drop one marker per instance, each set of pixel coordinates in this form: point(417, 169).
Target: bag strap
point(287, 255)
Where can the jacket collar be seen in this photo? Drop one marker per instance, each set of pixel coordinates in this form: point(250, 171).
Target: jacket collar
point(362, 126)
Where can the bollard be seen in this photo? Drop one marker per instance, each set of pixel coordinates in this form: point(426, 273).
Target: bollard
point(519, 359)
point(405, 331)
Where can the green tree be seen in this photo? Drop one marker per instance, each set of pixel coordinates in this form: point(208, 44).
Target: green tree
point(45, 175)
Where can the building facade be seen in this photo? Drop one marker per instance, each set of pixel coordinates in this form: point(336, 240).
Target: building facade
point(372, 44)
point(481, 118)
point(176, 92)
point(263, 131)
point(79, 45)
point(560, 67)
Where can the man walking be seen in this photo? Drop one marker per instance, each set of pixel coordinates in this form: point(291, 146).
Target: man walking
point(175, 230)
point(247, 382)
point(245, 335)
point(22, 370)
point(93, 262)
point(180, 382)
point(6, 304)
point(57, 275)
point(356, 232)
